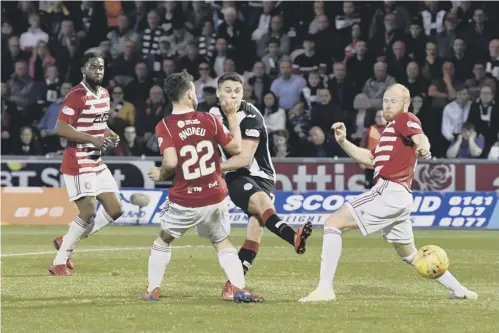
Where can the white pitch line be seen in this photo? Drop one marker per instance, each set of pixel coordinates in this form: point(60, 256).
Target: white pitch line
point(106, 249)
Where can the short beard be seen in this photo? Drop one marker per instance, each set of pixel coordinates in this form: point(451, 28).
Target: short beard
point(93, 82)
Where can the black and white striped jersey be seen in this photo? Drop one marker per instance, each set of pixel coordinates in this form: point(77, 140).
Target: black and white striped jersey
point(252, 127)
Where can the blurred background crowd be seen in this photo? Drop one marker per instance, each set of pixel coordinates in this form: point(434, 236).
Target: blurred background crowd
point(306, 65)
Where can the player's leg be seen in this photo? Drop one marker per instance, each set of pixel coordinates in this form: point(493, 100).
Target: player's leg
point(261, 204)
point(86, 206)
point(108, 195)
point(401, 237)
point(251, 245)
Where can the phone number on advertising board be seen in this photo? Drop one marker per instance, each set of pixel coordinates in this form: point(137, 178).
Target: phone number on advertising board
point(467, 211)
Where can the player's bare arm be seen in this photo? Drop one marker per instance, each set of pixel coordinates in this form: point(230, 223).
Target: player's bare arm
point(229, 107)
point(168, 166)
point(67, 131)
point(360, 155)
point(422, 146)
point(244, 158)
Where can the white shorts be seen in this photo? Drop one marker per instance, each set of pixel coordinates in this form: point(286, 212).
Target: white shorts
point(386, 207)
point(211, 222)
point(90, 184)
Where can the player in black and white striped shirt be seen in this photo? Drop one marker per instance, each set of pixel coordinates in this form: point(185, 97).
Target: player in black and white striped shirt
point(250, 177)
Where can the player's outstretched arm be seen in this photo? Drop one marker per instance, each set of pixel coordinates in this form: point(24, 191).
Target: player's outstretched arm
point(360, 155)
point(244, 158)
point(169, 163)
point(422, 145)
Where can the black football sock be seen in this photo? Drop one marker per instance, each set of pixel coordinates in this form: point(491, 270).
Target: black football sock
point(275, 225)
point(248, 253)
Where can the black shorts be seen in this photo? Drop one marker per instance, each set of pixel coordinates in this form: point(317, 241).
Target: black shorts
point(241, 188)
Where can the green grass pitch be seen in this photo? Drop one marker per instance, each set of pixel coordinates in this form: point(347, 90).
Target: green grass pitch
point(375, 291)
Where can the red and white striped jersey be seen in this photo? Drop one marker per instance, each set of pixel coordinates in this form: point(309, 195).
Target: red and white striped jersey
point(395, 155)
point(88, 113)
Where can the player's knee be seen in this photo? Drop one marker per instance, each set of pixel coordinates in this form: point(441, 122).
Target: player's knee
point(341, 219)
point(259, 202)
point(115, 212)
point(223, 244)
point(165, 238)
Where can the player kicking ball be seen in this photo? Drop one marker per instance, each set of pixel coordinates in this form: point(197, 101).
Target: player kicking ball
point(388, 204)
point(188, 141)
point(251, 176)
point(82, 121)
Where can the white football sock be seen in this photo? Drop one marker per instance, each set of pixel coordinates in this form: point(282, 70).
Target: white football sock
point(331, 252)
point(231, 264)
point(101, 220)
point(447, 280)
point(158, 260)
point(450, 282)
point(69, 241)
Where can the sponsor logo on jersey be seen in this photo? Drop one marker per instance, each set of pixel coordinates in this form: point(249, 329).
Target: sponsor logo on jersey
point(192, 122)
point(252, 133)
point(67, 110)
point(180, 124)
point(413, 125)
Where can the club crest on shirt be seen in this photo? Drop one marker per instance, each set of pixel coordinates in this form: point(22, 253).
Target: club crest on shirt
point(413, 125)
point(68, 111)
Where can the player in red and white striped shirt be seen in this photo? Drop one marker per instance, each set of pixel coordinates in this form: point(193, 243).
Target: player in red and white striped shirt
point(82, 121)
point(388, 205)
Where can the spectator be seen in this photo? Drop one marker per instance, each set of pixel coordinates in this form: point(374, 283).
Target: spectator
point(417, 84)
point(260, 81)
point(51, 86)
point(309, 60)
point(433, 18)
point(229, 66)
point(9, 117)
point(10, 57)
point(397, 62)
point(121, 113)
point(233, 30)
point(220, 56)
point(348, 18)
point(416, 41)
point(360, 66)
point(494, 151)
point(131, 145)
point(484, 116)
point(27, 144)
point(119, 35)
point(207, 40)
point(273, 114)
point(40, 61)
point(168, 67)
point(319, 11)
point(92, 23)
point(191, 61)
point(205, 80)
point(443, 90)
point(309, 93)
point(151, 35)
point(467, 144)
point(173, 19)
point(288, 86)
point(276, 31)
point(210, 99)
point(355, 37)
point(319, 146)
point(402, 18)
point(155, 110)
point(138, 90)
point(455, 114)
point(124, 64)
point(341, 87)
point(298, 123)
point(139, 16)
point(492, 65)
point(263, 21)
point(280, 147)
point(480, 79)
point(461, 59)
point(325, 113)
point(181, 38)
point(21, 86)
point(375, 87)
point(55, 14)
point(479, 34)
point(30, 38)
point(445, 38)
point(384, 41)
point(272, 58)
point(357, 120)
point(432, 65)
point(249, 95)
point(326, 48)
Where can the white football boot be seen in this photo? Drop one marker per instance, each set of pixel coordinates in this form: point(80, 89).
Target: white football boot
point(319, 295)
point(468, 294)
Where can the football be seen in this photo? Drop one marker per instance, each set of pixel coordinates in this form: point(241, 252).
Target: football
point(431, 261)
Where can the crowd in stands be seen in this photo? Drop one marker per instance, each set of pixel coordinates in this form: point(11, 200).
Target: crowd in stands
point(306, 65)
